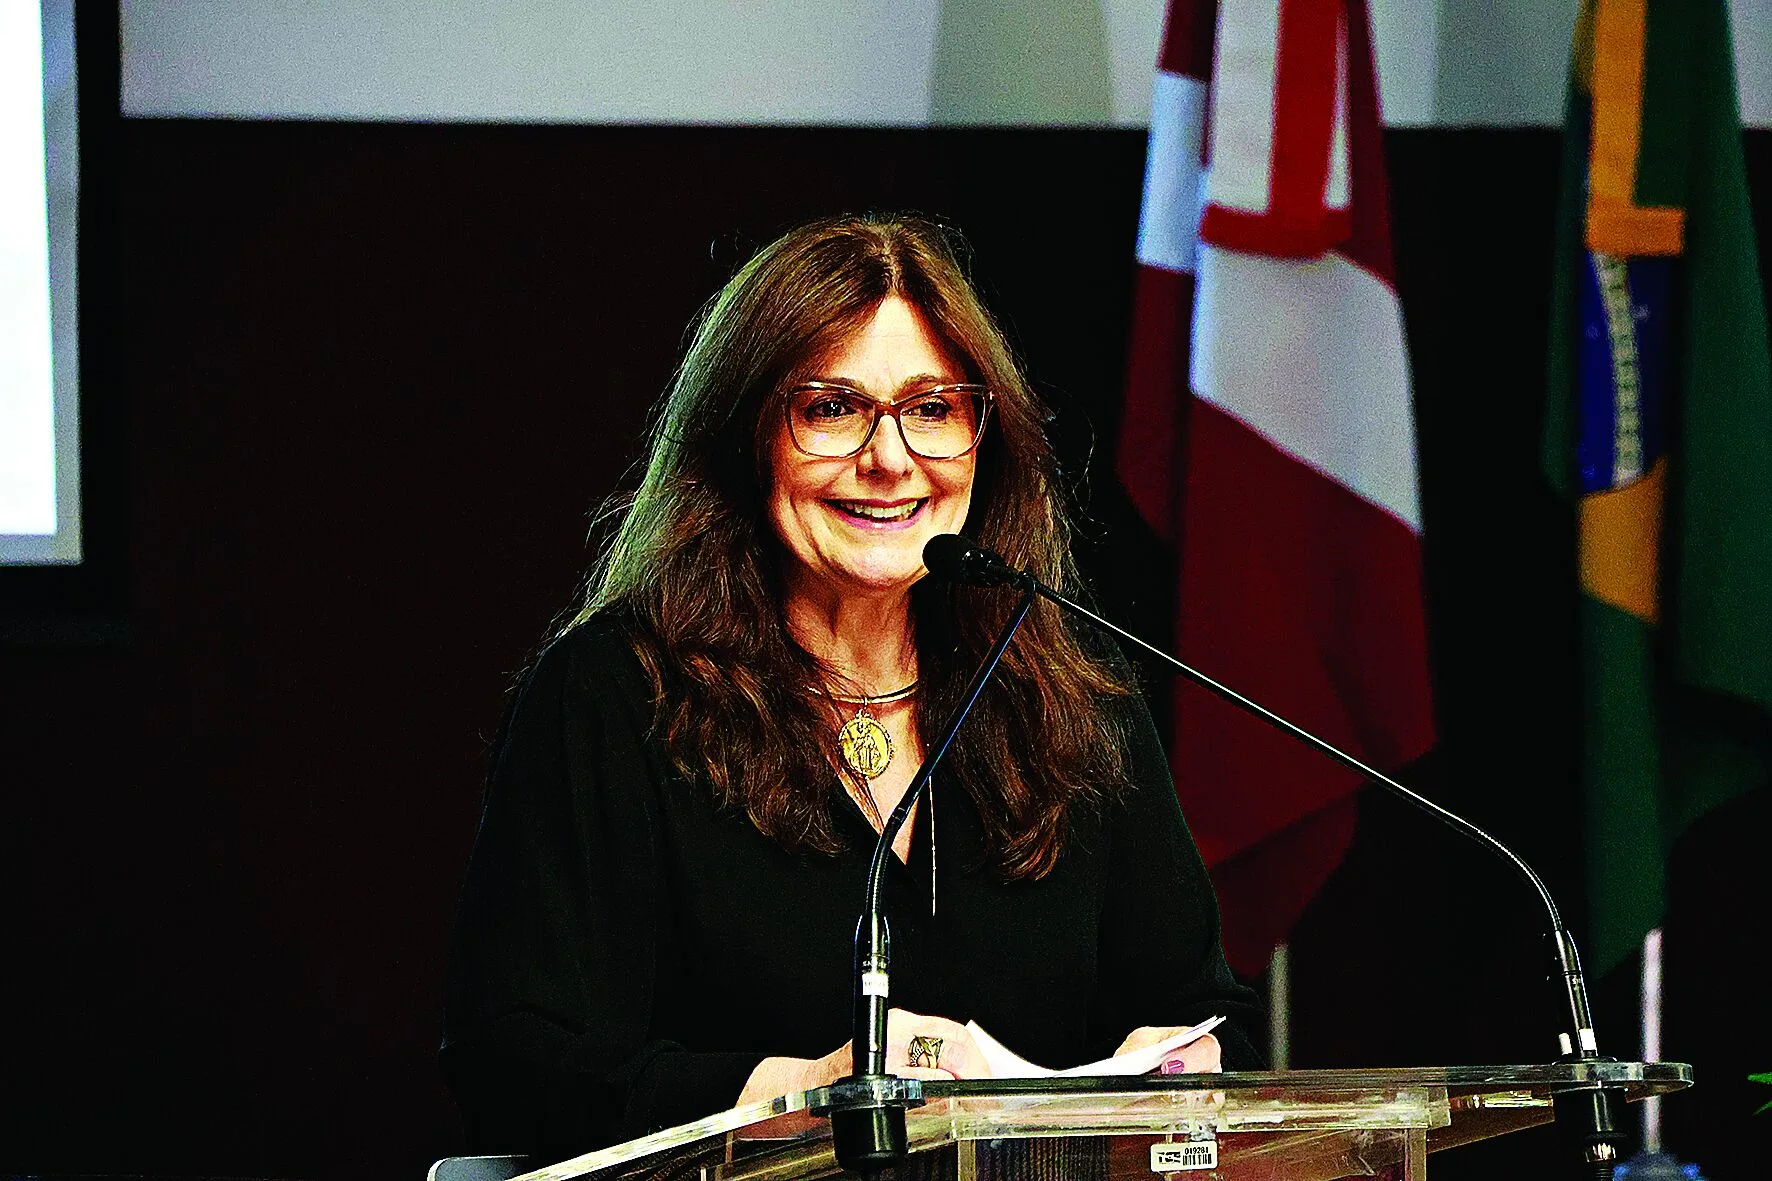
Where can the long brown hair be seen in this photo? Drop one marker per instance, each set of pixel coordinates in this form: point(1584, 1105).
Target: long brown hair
point(696, 564)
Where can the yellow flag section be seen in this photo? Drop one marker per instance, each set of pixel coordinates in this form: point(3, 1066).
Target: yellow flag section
point(1615, 34)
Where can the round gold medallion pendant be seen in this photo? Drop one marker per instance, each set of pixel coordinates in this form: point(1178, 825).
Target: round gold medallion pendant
point(865, 746)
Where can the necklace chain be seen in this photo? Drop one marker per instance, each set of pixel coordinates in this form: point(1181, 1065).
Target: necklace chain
point(875, 699)
point(861, 743)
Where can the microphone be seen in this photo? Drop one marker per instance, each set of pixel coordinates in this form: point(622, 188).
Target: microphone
point(867, 1109)
point(1592, 1115)
point(957, 559)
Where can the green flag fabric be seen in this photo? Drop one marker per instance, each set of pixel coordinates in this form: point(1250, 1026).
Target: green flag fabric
point(1658, 427)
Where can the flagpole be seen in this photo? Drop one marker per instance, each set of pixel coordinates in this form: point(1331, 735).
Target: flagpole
point(1279, 1008)
point(1652, 1034)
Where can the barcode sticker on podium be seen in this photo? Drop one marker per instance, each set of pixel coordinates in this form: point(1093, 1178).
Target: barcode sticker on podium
point(1183, 1155)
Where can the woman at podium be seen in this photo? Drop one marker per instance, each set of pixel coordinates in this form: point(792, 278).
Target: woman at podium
point(658, 917)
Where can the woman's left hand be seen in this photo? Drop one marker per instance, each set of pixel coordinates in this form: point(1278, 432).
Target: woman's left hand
point(1201, 1054)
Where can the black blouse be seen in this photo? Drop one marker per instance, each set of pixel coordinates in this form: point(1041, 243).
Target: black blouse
point(627, 950)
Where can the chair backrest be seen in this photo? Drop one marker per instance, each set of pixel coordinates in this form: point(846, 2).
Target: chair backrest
point(478, 1168)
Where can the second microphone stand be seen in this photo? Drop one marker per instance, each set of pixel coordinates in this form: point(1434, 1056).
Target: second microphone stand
point(1591, 1116)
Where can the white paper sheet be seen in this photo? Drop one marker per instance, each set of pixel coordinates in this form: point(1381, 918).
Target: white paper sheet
point(1005, 1063)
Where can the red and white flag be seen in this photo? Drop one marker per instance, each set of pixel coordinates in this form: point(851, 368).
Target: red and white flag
point(1278, 451)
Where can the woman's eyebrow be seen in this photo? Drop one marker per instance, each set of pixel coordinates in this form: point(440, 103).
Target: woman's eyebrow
point(832, 379)
point(910, 385)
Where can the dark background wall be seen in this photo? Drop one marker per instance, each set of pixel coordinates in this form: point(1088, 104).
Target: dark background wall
point(372, 380)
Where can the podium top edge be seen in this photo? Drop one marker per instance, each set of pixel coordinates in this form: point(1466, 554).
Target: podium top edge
point(1647, 1077)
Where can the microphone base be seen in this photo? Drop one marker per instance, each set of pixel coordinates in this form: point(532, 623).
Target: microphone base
point(867, 1120)
point(870, 1141)
point(1589, 1122)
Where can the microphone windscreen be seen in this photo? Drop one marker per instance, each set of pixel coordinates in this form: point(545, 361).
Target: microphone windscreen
point(946, 556)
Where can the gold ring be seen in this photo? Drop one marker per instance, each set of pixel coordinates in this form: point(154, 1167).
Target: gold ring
point(926, 1051)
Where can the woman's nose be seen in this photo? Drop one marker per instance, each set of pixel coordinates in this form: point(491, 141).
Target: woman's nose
point(886, 452)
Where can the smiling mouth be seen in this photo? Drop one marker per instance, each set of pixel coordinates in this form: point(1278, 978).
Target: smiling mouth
point(878, 514)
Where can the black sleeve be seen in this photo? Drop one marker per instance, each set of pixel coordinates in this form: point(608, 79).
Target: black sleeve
point(547, 1041)
point(1161, 958)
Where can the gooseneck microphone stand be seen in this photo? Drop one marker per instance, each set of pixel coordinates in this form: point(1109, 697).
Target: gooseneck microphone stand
point(1591, 1116)
point(867, 1108)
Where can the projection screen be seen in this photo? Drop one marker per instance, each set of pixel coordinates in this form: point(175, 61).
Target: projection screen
point(39, 352)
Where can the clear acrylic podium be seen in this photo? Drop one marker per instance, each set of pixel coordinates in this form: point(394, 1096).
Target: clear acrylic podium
point(1300, 1125)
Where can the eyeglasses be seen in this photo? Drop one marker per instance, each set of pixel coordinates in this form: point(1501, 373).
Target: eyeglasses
point(834, 421)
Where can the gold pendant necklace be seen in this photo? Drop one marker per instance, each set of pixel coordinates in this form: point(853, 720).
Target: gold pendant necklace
point(863, 743)
point(866, 749)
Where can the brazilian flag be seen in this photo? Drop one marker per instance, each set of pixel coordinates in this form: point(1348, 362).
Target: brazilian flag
point(1659, 429)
